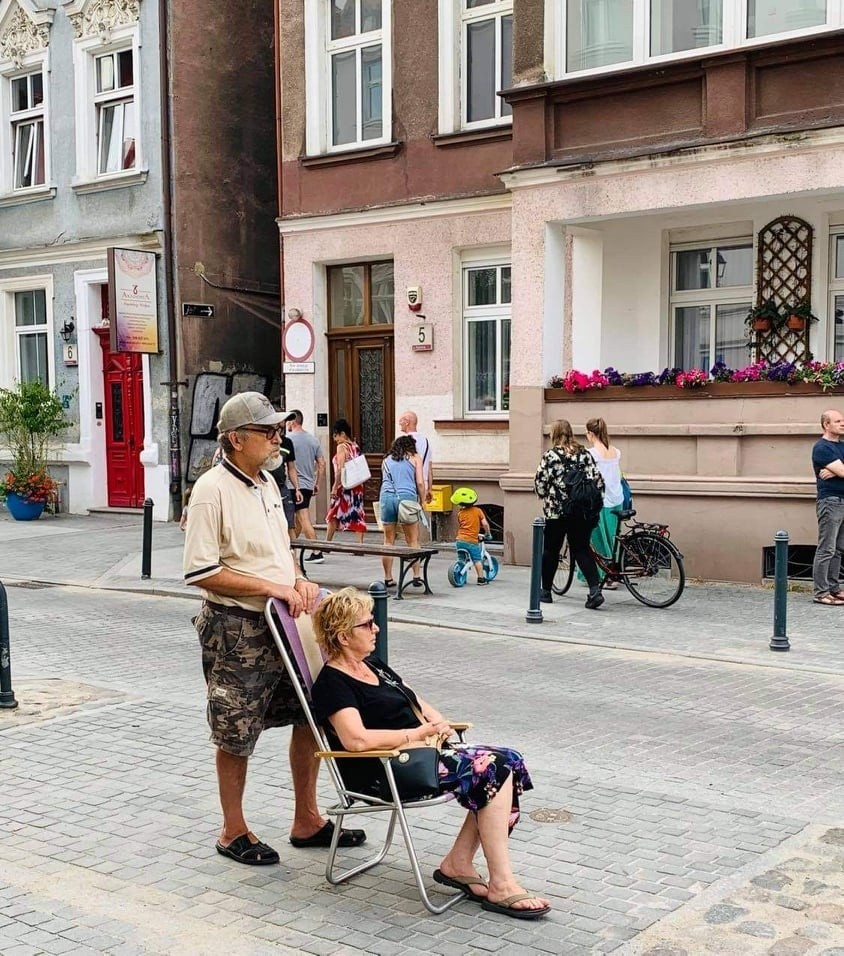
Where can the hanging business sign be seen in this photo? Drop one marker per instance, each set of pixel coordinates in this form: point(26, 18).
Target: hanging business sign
point(132, 301)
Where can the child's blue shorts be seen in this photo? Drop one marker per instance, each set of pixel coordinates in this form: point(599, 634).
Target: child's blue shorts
point(473, 549)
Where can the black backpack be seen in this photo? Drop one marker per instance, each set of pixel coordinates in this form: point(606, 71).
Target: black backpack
point(584, 500)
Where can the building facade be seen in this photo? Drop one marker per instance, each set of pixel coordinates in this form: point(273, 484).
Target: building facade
point(110, 140)
point(618, 205)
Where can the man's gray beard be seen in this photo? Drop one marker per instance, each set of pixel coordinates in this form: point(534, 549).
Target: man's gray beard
point(271, 462)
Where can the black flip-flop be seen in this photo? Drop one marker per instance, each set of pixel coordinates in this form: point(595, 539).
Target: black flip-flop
point(322, 838)
point(245, 851)
point(506, 908)
point(389, 583)
point(418, 583)
point(462, 883)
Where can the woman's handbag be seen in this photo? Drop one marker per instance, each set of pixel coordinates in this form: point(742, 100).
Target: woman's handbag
point(416, 771)
point(409, 512)
point(355, 472)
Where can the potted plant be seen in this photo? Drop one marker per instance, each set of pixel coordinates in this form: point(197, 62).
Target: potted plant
point(799, 316)
point(31, 419)
point(764, 317)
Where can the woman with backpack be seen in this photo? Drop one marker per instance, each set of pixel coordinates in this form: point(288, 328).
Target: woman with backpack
point(571, 488)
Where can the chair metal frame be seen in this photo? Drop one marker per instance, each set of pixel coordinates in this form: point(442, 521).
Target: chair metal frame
point(288, 640)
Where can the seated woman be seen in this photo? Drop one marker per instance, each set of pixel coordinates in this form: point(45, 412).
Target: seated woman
point(364, 705)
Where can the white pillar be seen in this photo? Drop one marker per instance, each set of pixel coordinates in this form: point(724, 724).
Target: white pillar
point(587, 278)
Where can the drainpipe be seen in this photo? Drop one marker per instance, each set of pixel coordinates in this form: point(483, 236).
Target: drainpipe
point(175, 427)
point(279, 178)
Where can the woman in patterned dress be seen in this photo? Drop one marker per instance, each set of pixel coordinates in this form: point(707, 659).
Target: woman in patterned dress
point(364, 705)
point(345, 507)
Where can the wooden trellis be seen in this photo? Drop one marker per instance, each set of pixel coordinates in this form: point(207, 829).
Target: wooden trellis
point(784, 275)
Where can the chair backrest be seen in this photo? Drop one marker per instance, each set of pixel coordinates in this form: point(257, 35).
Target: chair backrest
point(294, 637)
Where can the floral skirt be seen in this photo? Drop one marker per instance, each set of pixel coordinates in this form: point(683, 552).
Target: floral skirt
point(347, 510)
point(475, 773)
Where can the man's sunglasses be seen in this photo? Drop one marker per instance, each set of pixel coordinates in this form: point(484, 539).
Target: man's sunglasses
point(268, 431)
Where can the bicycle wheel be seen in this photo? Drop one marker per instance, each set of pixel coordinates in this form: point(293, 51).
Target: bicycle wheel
point(565, 571)
point(491, 567)
point(457, 574)
point(652, 569)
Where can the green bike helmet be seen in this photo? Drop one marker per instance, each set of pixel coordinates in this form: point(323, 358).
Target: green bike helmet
point(464, 496)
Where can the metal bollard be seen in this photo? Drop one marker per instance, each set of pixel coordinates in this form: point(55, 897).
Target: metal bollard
point(779, 642)
point(7, 695)
point(378, 593)
point(534, 613)
point(146, 556)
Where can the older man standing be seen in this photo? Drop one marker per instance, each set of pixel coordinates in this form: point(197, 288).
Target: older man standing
point(237, 551)
point(828, 465)
point(408, 423)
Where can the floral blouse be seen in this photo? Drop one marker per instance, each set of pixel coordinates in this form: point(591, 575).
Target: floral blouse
point(550, 484)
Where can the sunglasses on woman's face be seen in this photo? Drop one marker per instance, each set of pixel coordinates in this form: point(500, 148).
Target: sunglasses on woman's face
point(369, 623)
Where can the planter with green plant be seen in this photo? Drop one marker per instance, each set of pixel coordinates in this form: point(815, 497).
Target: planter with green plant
point(31, 420)
point(764, 317)
point(799, 316)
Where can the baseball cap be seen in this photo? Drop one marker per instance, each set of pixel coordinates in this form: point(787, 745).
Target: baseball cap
point(248, 408)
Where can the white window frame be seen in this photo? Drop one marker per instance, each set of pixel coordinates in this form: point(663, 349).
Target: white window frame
point(734, 36)
point(711, 297)
point(453, 18)
point(32, 64)
point(9, 354)
point(836, 288)
point(480, 259)
point(318, 50)
point(85, 54)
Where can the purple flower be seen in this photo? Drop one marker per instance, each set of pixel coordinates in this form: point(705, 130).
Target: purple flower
point(613, 376)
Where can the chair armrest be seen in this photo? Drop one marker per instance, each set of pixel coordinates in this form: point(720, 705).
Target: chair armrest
point(458, 725)
point(322, 754)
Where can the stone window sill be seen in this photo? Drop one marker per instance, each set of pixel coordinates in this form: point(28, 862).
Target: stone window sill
point(470, 137)
point(104, 183)
point(385, 151)
point(19, 198)
point(472, 424)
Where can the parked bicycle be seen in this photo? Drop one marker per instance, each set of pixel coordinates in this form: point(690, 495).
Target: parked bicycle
point(458, 573)
point(643, 558)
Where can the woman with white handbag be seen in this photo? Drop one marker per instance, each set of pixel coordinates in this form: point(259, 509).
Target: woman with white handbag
point(402, 491)
point(345, 507)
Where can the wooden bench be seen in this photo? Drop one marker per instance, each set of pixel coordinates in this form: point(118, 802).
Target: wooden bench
point(406, 556)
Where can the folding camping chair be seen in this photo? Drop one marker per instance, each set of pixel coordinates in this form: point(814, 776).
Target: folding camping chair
point(303, 660)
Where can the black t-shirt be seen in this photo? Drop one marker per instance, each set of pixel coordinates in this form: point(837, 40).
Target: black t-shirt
point(824, 452)
point(288, 454)
point(381, 707)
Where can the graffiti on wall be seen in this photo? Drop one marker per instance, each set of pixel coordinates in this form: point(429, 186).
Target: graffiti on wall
point(210, 391)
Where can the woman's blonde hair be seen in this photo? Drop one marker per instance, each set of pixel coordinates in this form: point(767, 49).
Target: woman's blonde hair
point(563, 437)
point(337, 614)
point(598, 427)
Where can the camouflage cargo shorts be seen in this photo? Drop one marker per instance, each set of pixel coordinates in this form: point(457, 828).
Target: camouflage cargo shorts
point(248, 687)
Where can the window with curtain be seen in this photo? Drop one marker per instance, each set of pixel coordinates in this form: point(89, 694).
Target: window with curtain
point(837, 295)
point(608, 34)
point(486, 335)
point(711, 292)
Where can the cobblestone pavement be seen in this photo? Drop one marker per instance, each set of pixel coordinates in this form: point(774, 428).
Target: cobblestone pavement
point(672, 786)
point(718, 622)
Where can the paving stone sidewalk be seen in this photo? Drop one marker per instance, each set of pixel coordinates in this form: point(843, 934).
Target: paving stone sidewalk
point(661, 781)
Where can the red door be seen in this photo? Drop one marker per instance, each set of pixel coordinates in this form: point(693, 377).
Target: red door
point(124, 425)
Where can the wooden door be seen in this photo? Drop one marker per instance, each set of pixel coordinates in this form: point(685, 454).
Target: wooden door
point(361, 390)
point(124, 426)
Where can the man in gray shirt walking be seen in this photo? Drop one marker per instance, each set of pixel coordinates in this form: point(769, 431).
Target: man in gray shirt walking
point(310, 466)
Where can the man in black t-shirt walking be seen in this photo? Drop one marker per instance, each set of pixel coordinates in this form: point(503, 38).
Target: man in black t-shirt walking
point(828, 465)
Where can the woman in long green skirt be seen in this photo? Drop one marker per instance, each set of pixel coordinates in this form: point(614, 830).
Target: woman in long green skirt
point(608, 459)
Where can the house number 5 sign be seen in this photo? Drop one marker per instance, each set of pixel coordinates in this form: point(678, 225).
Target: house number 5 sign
point(423, 338)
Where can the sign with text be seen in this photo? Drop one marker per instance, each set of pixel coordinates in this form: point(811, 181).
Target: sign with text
point(197, 310)
point(299, 368)
point(132, 301)
point(423, 338)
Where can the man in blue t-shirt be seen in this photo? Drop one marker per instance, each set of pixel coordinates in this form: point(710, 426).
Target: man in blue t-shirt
point(828, 465)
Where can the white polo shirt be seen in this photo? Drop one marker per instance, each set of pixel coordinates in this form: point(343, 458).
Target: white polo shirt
point(236, 523)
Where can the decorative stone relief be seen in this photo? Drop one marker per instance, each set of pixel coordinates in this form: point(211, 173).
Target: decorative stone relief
point(99, 17)
point(21, 37)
